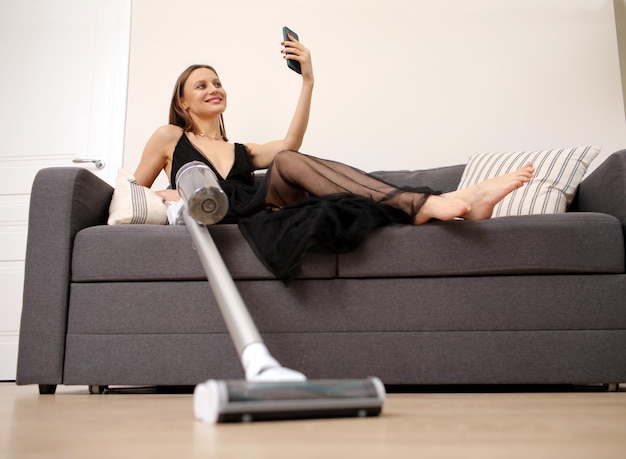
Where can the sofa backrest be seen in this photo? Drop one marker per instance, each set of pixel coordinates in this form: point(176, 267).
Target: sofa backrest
point(604, 189)
point(444, 179)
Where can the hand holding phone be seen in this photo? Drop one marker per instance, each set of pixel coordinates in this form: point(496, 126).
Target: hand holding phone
point(292, 64)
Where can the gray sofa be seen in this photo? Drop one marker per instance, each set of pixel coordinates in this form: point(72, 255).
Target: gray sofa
point(516, 300)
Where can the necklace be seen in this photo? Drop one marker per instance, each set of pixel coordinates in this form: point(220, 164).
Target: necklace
point(209, 137)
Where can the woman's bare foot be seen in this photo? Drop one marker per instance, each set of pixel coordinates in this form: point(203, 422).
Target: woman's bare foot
point(476, 202)
point(441, 208)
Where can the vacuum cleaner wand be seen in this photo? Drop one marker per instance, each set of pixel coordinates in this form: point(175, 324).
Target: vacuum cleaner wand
point(206, 203)
point(270, 391)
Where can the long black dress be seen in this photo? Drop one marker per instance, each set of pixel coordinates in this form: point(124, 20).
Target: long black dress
point(245, 199)
point(331, 223)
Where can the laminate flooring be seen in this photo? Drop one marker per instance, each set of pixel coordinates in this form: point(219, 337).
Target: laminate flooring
point(463, 424)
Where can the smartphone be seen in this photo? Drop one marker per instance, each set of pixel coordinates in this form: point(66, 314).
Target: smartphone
point(293, 65)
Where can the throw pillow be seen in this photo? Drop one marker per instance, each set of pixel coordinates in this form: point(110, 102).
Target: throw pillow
point(552, 188)
point(135, 204)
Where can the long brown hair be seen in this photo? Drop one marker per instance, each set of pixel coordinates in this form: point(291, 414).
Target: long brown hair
point(178, 115)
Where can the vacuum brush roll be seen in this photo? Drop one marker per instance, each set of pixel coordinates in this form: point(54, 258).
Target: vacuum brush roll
point(240, 401)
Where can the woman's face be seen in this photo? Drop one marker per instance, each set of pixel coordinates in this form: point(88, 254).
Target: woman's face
point(203, 94)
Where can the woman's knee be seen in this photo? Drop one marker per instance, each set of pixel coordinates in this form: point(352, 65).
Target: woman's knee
point(286, 155)
point(286, 160)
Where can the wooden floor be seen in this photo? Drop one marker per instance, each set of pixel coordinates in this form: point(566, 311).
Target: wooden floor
point(530, 425)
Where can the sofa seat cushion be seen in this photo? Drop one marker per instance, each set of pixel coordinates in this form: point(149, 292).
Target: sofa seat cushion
point(534, 244)
point(155, 252)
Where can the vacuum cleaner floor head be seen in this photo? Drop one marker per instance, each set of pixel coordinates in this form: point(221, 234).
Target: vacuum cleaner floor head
point(240, 401)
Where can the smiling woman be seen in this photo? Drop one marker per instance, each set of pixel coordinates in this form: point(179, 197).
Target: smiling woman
point(303, 194)
point(196, 118)
point(206, 93)
point(197, 126)
point(196, 132)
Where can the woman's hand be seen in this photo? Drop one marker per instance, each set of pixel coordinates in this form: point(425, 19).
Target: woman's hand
point(294, 50)
point(169, 195)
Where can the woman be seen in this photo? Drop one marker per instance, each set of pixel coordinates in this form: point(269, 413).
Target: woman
point(196, 132)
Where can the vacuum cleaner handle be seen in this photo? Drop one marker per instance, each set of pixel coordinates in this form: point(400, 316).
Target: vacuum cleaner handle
point(256, 360)
point(240, 325)
point(206, 203)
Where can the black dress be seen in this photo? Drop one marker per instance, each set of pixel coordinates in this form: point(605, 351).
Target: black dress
point(335, 223)
point(245, 198)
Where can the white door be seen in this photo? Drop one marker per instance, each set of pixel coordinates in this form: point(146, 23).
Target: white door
point(63, 78)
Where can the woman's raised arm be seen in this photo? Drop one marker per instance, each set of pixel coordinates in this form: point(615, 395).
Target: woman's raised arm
point(263, 154)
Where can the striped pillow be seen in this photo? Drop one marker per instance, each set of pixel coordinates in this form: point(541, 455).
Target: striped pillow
point(135, 204)
point(550, 191)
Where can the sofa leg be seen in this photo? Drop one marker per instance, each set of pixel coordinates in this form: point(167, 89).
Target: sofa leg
point(47, 389)
point(97, 389)
point(611, 387)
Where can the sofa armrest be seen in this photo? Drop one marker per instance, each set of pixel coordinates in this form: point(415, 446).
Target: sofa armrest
point(63, 201)
point(604, 190)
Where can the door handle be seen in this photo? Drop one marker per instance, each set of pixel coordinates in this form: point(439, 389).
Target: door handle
point(98, 162)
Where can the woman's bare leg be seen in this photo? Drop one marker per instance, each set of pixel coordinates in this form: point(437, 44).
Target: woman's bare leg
point(476, 202)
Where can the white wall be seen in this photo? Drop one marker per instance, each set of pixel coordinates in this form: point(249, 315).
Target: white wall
point(620, 23)
point(399, 83)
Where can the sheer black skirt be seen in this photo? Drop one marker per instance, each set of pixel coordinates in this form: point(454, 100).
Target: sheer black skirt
point(306, 203)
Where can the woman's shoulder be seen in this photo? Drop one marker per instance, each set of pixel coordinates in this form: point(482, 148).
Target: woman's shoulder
point(168, 133)
point(163, 142)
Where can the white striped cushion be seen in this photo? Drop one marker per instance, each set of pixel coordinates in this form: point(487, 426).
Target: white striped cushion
point(135, 204)
point(557, 176)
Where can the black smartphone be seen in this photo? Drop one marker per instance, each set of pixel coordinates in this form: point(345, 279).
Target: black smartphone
point(293, 65)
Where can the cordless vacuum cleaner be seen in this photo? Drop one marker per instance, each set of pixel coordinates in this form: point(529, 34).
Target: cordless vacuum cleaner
point(270, 391)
